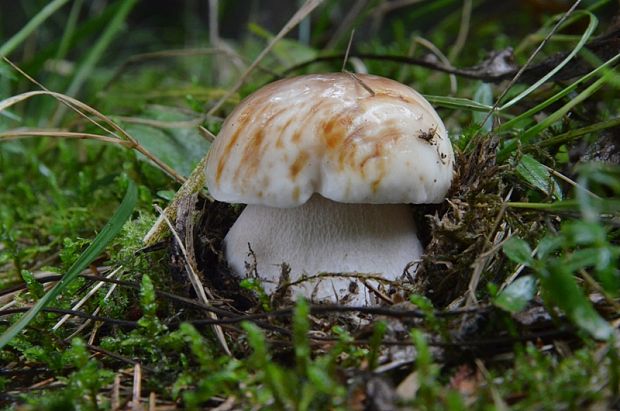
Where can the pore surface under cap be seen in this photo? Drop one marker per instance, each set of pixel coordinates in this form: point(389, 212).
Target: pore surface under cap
point(355, 140)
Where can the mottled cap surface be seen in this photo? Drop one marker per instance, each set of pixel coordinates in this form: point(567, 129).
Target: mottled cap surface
point(352, 139)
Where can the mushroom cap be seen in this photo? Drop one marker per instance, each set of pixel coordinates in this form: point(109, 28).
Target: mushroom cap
point(351, 138)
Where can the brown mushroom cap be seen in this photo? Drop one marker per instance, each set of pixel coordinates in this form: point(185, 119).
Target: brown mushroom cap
point(352, 139)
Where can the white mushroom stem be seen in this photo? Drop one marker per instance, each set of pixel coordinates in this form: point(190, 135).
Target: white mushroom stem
point(323, 236)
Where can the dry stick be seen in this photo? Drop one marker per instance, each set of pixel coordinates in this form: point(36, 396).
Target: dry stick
point(86, 323)
point(235, 317)
point(194, 184)
point(126, 284)
point(204, 132)
point(97, 325)
point(137, 388)
point(525, 66)
point(115, 401)
point(42, 87)
point(152, 401)
point(499, 402)
point(120, 323)
point(571, 182)
point(195, 122)
point(22, 134)
point(84, 299)
point(196, 283)
point(214, 30)
point(361, 82)
point(214, 39)
point(116, 356)
point(306, 9)
point(344, 64)
point(346, 54)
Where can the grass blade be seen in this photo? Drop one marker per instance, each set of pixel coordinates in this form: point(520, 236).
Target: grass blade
point(96, 52)
point(561, 288)
point(535, 173)
point(584, 38)
point(458, 103)
point(601, 69)
point(108, 232)
point(578, 132)
point(532, 132)
point(29, 28)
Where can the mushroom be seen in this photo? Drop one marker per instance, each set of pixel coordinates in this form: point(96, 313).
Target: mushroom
point(329, 165)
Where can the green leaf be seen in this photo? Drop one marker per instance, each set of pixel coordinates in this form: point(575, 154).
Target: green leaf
point(518, 251)
point(560, 287)
point(301, 327)
point(548, 245)
point(538, 175)
point(458, 103)
point(379, 331)
point(34, 287)
point(585, 233)
point(180, 147)
point(484, 95)
point(516, 296)
point(109, 231)
point(256, 339)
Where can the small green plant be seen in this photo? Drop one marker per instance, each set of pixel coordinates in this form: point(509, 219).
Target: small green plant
point(312, 384)
point(580, 249)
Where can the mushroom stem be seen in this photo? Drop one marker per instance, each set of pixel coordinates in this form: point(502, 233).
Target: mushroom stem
point(323, 236)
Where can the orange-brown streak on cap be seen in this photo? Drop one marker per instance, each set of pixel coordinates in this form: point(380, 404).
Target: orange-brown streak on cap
point(255, 145)
point(331, 134)
point(279, 143)
point(298, 164)
point(243, 120)
point(227, 149)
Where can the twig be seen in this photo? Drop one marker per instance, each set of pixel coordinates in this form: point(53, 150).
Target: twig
point(84, 299)
point(570, 181)
point(120, 323)
point(21, 134)
point(119, 357)
point(500, 404)
point(192, 185)
point(196, 283)
point(137, 388)
point(152, 401)
point(361, 82)
point(115, 401)
point(346, 54)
